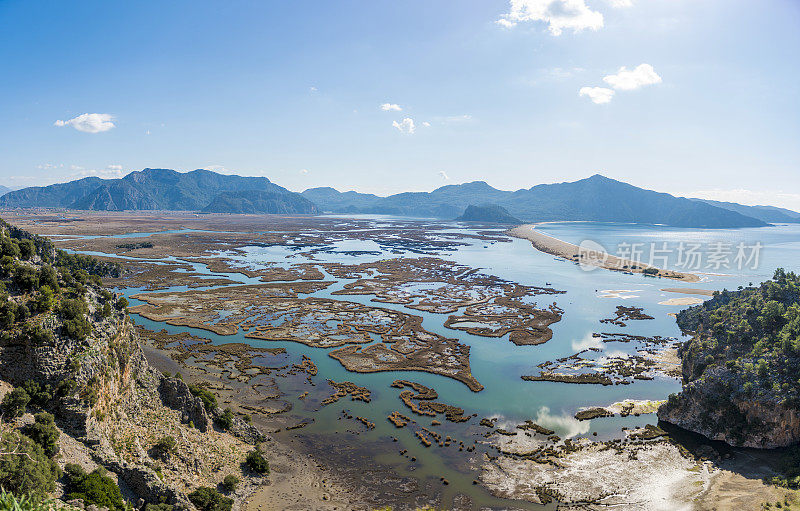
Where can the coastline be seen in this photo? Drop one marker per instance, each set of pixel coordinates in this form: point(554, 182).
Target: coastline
point(574, 253)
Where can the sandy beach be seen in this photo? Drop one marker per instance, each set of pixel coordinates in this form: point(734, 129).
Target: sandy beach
point(582, 255)
point(689, 291)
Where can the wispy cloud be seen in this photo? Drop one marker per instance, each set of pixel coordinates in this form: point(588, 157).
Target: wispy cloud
point(598, 95)
point(453, 119)
point(557, 14)
point(304, 171)
point(47, 166)
point(621, 3)
point(89, 123)
point(110, 172)
point(391, 107)
point(405, 126)
point(632, 79)
point(442, 174)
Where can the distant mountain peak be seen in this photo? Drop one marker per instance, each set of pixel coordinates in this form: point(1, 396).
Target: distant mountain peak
point(164, 189)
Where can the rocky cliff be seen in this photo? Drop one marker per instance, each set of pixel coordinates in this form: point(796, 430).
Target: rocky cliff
point(740, 368)
point(67, 345)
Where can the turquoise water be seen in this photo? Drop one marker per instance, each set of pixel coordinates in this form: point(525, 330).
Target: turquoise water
point(498, 363)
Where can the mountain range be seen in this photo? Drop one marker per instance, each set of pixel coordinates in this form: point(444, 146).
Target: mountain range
point(596, 198)
point(769, 214)
point(163, 189)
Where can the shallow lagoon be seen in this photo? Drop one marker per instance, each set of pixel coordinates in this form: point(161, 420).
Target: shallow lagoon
point(498, 363)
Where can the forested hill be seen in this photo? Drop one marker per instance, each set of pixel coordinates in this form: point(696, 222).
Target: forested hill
point(740, 370)
point(596, 198)
point(158, 189)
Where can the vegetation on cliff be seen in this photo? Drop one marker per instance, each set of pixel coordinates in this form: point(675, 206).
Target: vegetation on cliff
point(740, 370)
point(73, 374)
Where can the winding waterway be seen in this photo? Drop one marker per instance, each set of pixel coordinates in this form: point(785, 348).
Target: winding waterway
point(497, 363)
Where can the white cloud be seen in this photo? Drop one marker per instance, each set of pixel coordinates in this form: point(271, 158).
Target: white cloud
point(391, 107)
point(557, 14)
point(443, 175)
point(46, 166)
point(107, 173)
point(426, 124)
point(313, 90)
point(405, 126)
point(599, 95)
point(114, 167)
point(632, 79)
point(621, 3)
point(89, 123)
point(304, 171)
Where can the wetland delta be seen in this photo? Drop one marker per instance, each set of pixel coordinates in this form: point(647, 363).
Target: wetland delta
point(410, 363)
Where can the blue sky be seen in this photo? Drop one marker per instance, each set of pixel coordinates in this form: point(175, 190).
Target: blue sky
point(293, 91)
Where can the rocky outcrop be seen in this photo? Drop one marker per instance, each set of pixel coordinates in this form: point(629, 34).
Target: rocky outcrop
point(106, 374)
point(176, 395)
point(713, 407)
point(740, 368)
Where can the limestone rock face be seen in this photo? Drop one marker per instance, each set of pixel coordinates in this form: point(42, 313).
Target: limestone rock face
point(95, 377)
point(175, 394)
point(707, 406)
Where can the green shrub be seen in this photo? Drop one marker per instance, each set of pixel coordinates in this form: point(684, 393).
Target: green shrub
point(75, 324)
point(209, 499)
point(11, 502)
point(165, 445)
point(26, 468)
point(45, 300)
point(40, 394)
point(8, 313)
point(257, 462)
point(44, 433)
point(37, 335)
point(225, 419)
point(48, 276)
point(26, 249)
point(230, 482)
point(77, 328)
point(93, 488)
point(15, 403)
point(26, 278)
point(9, 248)
point(122, 303)
point(157, 507)
point(209, 400)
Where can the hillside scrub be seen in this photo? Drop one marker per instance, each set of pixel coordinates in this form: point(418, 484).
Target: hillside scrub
point(740, 370)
